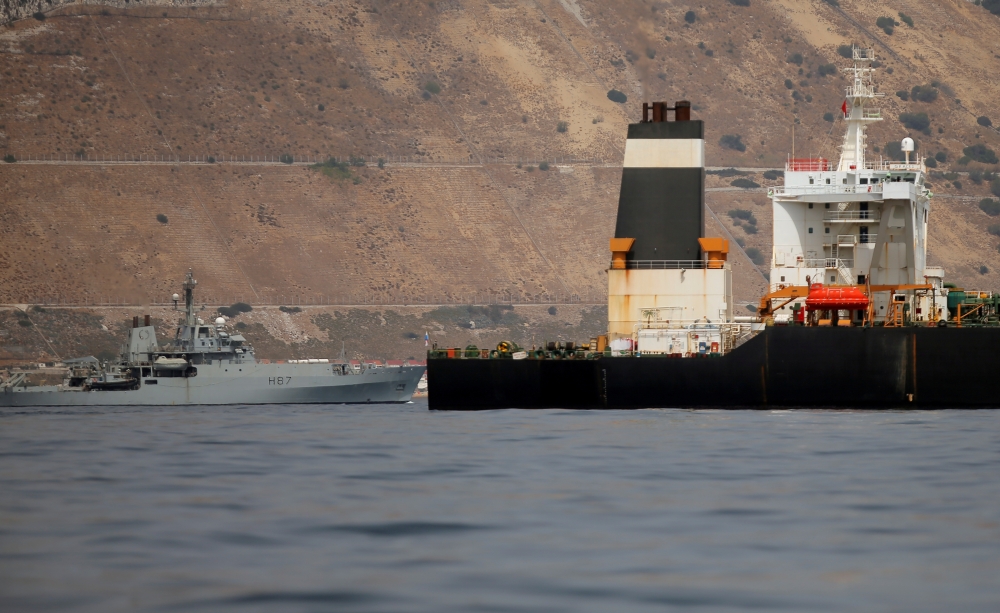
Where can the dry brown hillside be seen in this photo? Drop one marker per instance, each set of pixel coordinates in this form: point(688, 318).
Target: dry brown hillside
point(453, 94)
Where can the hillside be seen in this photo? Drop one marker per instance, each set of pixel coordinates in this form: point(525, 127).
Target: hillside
point(452, 94)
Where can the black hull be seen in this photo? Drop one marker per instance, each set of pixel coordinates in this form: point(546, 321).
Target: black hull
point(781, 367)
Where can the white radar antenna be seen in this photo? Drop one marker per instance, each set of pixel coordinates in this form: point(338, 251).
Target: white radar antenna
point(860, 93)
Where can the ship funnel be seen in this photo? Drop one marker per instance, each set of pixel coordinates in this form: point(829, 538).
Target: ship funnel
point(661, 203)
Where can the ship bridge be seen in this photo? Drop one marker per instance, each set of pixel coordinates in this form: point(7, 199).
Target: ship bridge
point(861, 221)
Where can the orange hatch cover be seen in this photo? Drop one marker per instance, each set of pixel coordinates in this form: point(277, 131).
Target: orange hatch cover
point(848, 298)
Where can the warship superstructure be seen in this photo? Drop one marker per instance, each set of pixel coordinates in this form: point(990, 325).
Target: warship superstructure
point(206, 364)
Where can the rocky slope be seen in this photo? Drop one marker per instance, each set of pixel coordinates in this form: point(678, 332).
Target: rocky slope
point(453, 94)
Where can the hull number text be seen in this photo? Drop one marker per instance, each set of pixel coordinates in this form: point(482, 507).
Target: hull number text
point(279, 380)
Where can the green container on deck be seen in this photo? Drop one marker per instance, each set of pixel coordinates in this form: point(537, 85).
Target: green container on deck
point(955, 298)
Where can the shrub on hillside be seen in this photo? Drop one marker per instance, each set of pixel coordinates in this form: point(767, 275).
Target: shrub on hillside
point(740, 2)
point(744, 183)
point(739, 241)
point(744, 215)
point(40, 16)
point(733, 141)
point(562, 126)
point(981, 153)
point(930, 163)
point(285, 158)
point(755, 255)
point(690, 17)
point(886, 23)
point(984, 121)
point(915, 121)
point(795, 58)
point(906, 19)
point(616, 96)
point(924, 93)
point(976, 176)
point(160, 217)
point(229, 312)
point(990, 206)
point(285, 309)
point(903, 95)
point(543, 166)
point(992, 6)
point(772, 175)
point(846, 51)
point(941, 156)
point(432, 87)
point(9, 158)
point(826, 69)
point(995, 187)
point(552, 310)
point(726, 172)
point(789, 84)
point(994, 229)
point(828, 116)
point(241, 307)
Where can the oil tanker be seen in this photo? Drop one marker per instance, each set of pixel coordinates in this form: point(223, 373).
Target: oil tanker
point(854, 316)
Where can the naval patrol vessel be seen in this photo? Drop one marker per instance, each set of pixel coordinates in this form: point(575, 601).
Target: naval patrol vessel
point(205, 364)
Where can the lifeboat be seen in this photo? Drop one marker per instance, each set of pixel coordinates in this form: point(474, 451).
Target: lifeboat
point(822, 298)
point(165, 363)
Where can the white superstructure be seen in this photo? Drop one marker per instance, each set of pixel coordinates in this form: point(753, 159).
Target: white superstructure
point(861, 221)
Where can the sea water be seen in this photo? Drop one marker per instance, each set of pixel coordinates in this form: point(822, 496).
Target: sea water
point(395, 508)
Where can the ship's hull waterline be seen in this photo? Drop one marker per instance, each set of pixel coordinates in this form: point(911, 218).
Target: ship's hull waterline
point(788, 367)
point(252, 383)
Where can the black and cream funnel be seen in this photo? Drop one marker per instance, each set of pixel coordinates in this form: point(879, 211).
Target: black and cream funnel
point(661, 204)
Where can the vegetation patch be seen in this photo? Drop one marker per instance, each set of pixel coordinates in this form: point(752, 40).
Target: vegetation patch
point(285, 309)
point(906, 19)
point(755, 255)
point(772, 175)
point(924, 93)
point(339, 170)
point(744, 183)
point(887, 24)
point(990, 206)
point(235, 309)
point(826, 69)
point(984, 121)
point(727, 172)
point(980, 153)
point(846, 51)
point(732, 141)
point(915, 121)
point(160, 217)
point(616, 96)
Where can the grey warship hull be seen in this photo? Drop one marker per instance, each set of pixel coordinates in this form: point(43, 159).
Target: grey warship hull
point(251, 384)
point(206, 364)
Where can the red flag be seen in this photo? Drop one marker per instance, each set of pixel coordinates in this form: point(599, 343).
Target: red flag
point(843, 108)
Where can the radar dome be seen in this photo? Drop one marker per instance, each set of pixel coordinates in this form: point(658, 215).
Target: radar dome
point(220, 321)
point(176, 297)
point(907, 144)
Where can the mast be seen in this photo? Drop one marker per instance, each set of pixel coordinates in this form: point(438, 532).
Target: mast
point(860, 93)
point(189, 284)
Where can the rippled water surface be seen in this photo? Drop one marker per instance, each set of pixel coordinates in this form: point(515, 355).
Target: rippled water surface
point(395, 508)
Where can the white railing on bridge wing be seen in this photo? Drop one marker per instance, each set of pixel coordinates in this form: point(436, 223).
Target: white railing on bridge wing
point(823, 189)
point(666, 264)
point(824, 263)
point(872, 216)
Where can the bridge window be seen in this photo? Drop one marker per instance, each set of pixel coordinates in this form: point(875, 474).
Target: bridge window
point(810, 230)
